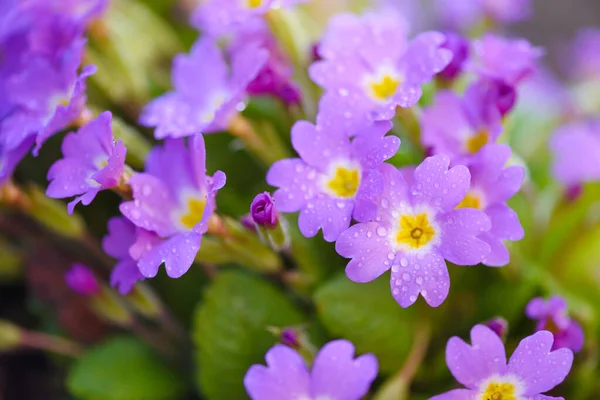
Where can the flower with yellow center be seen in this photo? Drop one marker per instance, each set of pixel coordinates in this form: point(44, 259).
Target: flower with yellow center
point(415, 231)
point(499, 391)
point(194, 212)
point(344, 182)
point(477, 141)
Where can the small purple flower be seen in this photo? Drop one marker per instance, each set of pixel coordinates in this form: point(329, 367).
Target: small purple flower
point(206, 91)
point(275, 76)
point(127, 243)
point(551, 315)
point(532, 369)
point(335, 374)
point(92, 162)
point(174, 199)
point(368, 75)
point(218, 17)
point(415, 229)
point(510, 60)
point(460, 127)
point(335, 179)
point(499, 326)
point(263, 210)
point(492, 184)
point(82, 280)
point(459, 46)
point(289, 338)
point(576, 150)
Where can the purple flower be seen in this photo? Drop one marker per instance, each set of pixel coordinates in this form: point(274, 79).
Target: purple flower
point(263, 210)
point(82, 280)
point(127, 243)
point(510, 60)
point(368, 76)
point(499, 326)
point(459, 127)
point(576, 150)
point(492, 184)
point(459, 46)
point(335, 374)
point(335, 179)
point(206, 91)
point(532, 369)
point(275, 76)
point(217, 17)
point(551, 315)
point(415, 229)
point(174, 199)
point(584, 62)
point(92, 162)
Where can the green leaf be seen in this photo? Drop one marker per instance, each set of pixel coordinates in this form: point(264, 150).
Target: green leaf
point(123, 369)
point(230, 331)
point(367, 315)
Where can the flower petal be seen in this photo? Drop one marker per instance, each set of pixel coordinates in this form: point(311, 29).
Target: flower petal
point(177, 253)
point(436, 184)
point(460, 229)
point(457, 394)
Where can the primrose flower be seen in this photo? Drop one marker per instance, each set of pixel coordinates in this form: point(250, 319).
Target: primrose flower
point(510, 60)
point(532, 369)
point(492, 185)
point(576, 150)
point(82, 280)
point(217, 17)
point(378, 69)
point(206, 91)
point(460, 127)
point(174, 198)
point(459, 46)
point(551, 315)
point(415, 229)
point(335, 179)
point(335, 374)
point(92, 162)
point(127, 243)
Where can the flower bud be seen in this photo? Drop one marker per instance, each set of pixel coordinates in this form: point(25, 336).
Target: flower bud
point(499, 325)
point(459, 46)
point(263, 210)
point(82, 280)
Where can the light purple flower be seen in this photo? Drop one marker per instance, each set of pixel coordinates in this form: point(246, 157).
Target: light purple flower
point(275, 76)
point(206, 93)
point(127, 243)
point(510, 60)
point(218, 17)
point(335, 179)
point(551, 315)
point(464, 14)
point(369, 76)
point(92, 162)
point(492, 184)
point(460, 127)
point(82, 280)
point(263, 210)
point(584, 62)
point(576, 150)
point(335, 374)
point(174, 198)
point(481, 367)
point(415, 229)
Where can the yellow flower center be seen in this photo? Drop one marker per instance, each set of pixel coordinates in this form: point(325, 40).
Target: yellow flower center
point(470, 201)
point(499, 391)
point(415, 231)
point(477, 141)
point(385, 87)
point(194, 214)
point(345, 182)
point(254, 3)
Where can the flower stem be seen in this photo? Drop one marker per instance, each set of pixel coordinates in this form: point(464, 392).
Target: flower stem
point(53, 344)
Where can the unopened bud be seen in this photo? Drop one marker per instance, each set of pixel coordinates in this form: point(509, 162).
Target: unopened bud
point(499, 325)
point(82, 280)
